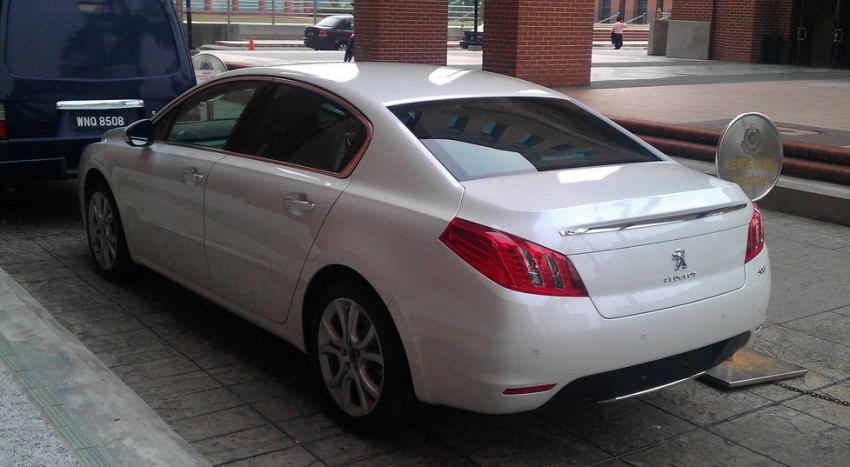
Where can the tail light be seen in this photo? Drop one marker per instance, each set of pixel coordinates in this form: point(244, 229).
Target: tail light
point(323, 33)
point(755, 235)
point(513, 262)
point(2, 120)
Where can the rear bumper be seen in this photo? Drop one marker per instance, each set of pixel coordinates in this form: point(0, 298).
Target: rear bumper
point(480, 348)
point(35, 169)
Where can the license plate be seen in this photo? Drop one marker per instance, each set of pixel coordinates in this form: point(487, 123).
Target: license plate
point(98, 120)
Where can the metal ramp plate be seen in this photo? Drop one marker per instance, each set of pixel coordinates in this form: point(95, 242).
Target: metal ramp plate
point(748, 367)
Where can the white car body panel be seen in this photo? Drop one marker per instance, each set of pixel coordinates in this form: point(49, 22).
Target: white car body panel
point(256, 239)
point(467, 339)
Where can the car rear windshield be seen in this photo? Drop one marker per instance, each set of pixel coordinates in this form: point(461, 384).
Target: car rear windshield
point(93, 39)
point(488, 137)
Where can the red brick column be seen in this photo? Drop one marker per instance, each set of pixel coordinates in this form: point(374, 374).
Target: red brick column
point(740, 26)
point(693, 10)
point(542, 41)
point(401, 31)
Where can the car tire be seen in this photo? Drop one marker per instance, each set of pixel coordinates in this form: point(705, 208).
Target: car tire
point(341, 45)
point(360, 360)
point(105, 233)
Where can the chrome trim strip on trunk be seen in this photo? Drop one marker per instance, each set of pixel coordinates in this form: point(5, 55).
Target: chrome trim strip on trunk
point(651, 222)
point(103, 104)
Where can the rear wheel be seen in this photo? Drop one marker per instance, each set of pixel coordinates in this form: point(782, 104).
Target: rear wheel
point(105, 233)
point(359, 356)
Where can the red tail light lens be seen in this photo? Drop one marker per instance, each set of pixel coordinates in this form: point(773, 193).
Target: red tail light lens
point(513, 262)
point(755, 235)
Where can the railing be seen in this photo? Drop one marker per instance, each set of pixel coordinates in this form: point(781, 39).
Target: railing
point(271, 10)
point(642, 19)
point(261, 10)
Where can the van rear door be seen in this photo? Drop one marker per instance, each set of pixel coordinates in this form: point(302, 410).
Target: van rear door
point(78, 68)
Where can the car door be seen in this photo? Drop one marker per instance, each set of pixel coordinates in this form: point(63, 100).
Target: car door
point(265, 206)
point(164, 195)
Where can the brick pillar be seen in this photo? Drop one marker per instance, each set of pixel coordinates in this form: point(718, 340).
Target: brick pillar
point(401, 31)
point(692, 10)
point(741, 27)
point(545, 42)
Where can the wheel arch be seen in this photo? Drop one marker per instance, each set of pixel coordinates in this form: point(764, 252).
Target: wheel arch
point(322, 280)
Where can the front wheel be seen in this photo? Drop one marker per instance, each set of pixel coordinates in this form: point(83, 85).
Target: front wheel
point(106, 233)
point(359, 356)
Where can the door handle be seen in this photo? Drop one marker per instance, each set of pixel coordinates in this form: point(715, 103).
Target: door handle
point(838, 35)
point(802, 34)
point(297, 202)
point(191, 176)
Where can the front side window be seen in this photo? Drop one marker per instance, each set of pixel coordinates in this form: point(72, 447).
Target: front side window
point(208, 118)
point(486, 137)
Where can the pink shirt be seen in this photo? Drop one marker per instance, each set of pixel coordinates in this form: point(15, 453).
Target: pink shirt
point(618, 27)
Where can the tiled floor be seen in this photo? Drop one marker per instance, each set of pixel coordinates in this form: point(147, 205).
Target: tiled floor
point(242, 397)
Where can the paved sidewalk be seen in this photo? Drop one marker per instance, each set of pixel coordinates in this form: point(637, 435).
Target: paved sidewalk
point(149, 374)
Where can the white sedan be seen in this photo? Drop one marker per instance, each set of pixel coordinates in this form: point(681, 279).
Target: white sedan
point(433, 234)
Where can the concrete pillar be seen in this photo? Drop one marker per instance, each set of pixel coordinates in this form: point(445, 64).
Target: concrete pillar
point(546, 42)
point(401, 31)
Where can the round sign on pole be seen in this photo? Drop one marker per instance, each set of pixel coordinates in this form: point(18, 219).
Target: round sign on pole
point(749, 153)
point(206, 66)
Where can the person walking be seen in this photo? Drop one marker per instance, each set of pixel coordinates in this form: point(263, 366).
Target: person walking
point(617, 32)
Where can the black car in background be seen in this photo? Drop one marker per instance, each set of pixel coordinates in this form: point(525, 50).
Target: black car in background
point(331, 33)
point(469, 38)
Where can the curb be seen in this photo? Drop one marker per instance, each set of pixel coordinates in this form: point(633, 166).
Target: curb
point(102, 419)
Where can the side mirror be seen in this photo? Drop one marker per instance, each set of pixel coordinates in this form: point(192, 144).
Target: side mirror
point(139, 134)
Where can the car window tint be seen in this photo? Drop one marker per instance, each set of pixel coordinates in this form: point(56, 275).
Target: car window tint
point(95, 40)
point(486, 137)
point(300, 126)
point(208, 118)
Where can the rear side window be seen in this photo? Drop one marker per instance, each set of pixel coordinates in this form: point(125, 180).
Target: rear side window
point(90, 39)
point(487, 137)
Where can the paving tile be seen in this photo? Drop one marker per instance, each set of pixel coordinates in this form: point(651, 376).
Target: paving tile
point(38, 271)
point(220, 423)
point(173, 386)
point(789, 437)
point(518, 439)
point(617, 428)
point(344, 448)
point(312, 427)
point(101, 327)
point(243, 444)
point(832, 412)
point(807, 351)
point(155, 370)
point(119, 340)
point(265, 389)
point(148, 352)
point(195, 404)
point(702, 404)
point(63, 291)
point(291, 407)
point(699, 448)
point(289, 457)
point(828, 326)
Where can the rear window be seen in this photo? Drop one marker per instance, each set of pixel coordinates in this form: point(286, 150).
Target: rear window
point(489, 137)
point(90, 39)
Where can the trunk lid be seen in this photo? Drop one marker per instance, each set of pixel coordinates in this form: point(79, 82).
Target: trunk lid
point(643, 236)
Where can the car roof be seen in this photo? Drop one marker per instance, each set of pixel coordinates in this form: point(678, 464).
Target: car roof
point(394, 83)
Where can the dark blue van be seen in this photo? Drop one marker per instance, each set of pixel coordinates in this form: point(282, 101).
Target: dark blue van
point(72, 69)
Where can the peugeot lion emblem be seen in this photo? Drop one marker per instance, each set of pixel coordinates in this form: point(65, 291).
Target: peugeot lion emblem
point(679, 258)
